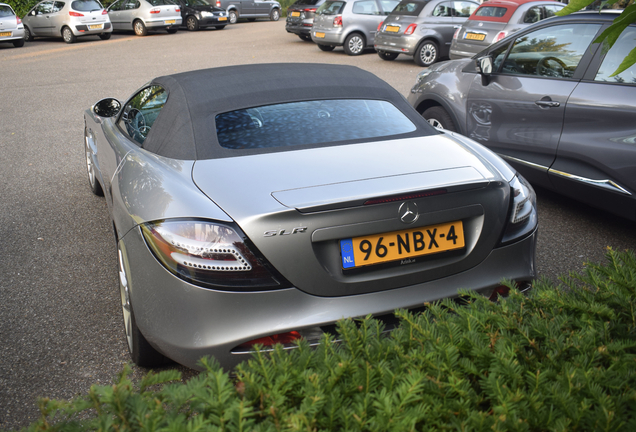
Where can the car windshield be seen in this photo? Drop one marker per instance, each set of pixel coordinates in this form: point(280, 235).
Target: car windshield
point(306, 2)
point(311, 122)
point(491, 11)
point(5, 11)
point(160, 2)
point(331, 8)
point(409, 8)
point(196, 3)
point(86, 5)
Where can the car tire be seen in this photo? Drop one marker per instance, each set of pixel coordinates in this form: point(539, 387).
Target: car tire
point(305, 37)
point(439, 118)
point(426, 53)
point(388, 56)
point(220, 27)
point(105, 36)
point(140, 28)
point(18, 43)
point(274, 15)
point(326, 47)
point(94, 184)
point(192, 23)
point(172, 30)
point(141, 352)
point(28, 36)
point(232, 16)
point(68, 36)
point(354, 44)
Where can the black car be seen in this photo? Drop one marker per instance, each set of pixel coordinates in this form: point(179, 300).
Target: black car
point(546, 100)
point(198, 14)
point(300, 18)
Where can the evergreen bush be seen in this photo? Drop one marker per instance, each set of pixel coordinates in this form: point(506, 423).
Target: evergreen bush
point(561, 358)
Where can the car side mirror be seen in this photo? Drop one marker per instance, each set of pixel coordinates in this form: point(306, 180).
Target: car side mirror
point(108, 107)
point(33, 13)
point(484, 67)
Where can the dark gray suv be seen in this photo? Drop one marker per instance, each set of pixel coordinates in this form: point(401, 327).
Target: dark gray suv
point(544, 99)
point(250, 9)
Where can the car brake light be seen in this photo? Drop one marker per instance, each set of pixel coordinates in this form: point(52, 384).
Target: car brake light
point(75, 14)
point(310, 10)
point(410, 29)
point(155, 10)
point(178, 9)
point(104, 12)
point(380, 26)
point(456, 34)
point(19, 21)
point(218, 3)
point(500, 36)
point(337, 21)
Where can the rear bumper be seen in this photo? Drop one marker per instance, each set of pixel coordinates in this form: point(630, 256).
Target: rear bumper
point(186, 322)
point(332, 36)
point(402, 45)
point(84, 30)
point(16, 34)
point(303, 27)
point(161, 23)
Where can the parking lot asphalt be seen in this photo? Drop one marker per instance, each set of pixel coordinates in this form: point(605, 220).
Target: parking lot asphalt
point(60, 321)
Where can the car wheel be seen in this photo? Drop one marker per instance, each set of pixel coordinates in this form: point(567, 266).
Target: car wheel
point(28, 36)
point(354, 44)
point(220, 27)
point(141, 352)
point(426, 54)
point(305, 37)
point(105, 36)
point(18, 43)
point(172, 30)
point(232, 16)
point(96, 188)
point(68, 36)
point(326, 47)
point(438, 117)
point(388, 56)
point(140, 28)
point(274, 15)
point(192, 23)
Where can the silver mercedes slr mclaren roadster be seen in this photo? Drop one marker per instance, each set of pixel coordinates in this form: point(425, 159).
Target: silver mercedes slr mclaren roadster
point(252, 208)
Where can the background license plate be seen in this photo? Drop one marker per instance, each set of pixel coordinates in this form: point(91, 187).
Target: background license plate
point(400, 245)
point(319, 35)
point(222, 18)
point(475, 36)
point(295, 14)
point(95, 26)
point(2, 34)
point(171, 21)
point(392, 29)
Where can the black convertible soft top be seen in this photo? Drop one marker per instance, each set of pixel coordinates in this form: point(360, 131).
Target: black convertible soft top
point(185, 128)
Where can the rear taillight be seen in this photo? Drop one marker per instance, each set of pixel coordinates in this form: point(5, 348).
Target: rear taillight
point(337, 21)
point(209, 254)
point(410, 29)
point(19, 21)
point(310, 10)
point(456, 34)
point(155, 10)
point(104, 12)
point(75, 14)
point(218, 3)
point(380, 26)
point(178, 9)
point(500, 36)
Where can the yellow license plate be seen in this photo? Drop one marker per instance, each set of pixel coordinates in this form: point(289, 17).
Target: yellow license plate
point(319, 35)
point(392, 29)
point(295, 14)
point(171, 21)
point(3, 34)
point(401, 245)
point(222, 18)
point(95, 26)
point(475, 36)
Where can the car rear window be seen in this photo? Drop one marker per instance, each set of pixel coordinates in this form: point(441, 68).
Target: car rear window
point(306, 2)
point(409, 8)
point(310, 122)
point(491, 11)
point(161, 2)
point(5, 11)
point(86, 5)
point(331, 8)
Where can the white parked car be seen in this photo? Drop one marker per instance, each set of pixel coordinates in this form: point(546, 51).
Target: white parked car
point(11, 27)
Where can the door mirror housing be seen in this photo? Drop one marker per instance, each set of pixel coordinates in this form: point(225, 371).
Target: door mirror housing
point(108, 107)
point(484, 65)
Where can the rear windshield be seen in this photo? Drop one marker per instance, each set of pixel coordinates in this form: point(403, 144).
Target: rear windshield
point(86, 5)
point(5, 11)
point(306, 2)
point(311, 122)
point(410, 8)
point(331, 8)
point(161, 2)
point(491, 11)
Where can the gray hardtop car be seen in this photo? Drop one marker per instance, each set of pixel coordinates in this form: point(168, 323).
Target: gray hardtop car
point(422, 29)
point(351, 24)
point(496, 19)
point(250, 9)
point(546, 102)
point(11, 27)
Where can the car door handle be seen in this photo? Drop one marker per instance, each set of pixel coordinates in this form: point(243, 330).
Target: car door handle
point(547, 103)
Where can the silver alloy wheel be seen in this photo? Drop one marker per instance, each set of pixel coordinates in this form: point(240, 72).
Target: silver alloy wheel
point(356, 44)
point(125, 300)
point(232, 16)
point(140, 28)
point(435, 123)
point(67, 35)
point(275, 15)
point(90, 166)
point(428, 53)
point(191, 23)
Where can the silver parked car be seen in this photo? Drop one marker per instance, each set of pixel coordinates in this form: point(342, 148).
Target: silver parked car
point(545, 100)
point(144, 15)
point(265, 215)
point(422, 29)
point(11, 27)
point(68, 20)
point(250, 9)
point(495, 20)
point(351, 24)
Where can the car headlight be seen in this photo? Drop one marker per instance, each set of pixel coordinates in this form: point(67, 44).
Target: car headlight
point(209, 254)
point(522, 216)
point(206, 14)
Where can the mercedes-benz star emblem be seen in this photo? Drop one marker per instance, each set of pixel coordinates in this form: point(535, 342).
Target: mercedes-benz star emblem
point(408, 212)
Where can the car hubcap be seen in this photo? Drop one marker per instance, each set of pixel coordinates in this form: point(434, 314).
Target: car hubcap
point(125, 301)
point(435, 123)
point(355, 45)
point(67, 35)
point(275, 15)
point(190, 24)
point(138, 29)
point(232, 17)
point(428, 53)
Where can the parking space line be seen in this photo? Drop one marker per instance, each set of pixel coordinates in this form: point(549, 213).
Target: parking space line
point(66, 48)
